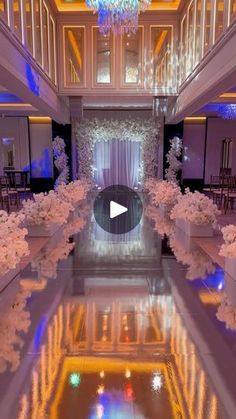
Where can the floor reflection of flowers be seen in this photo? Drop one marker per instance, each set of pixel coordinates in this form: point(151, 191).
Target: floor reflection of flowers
point(198, 263)
point(14, 320)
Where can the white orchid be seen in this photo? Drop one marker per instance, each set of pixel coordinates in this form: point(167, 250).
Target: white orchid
point(172, 158)
point(60, 161)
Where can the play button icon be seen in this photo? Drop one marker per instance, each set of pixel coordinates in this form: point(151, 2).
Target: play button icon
point(118, 209)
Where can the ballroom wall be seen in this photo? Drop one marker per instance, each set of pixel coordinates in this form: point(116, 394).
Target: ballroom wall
point(202, 148)
point(41, 149)
point(17, 129)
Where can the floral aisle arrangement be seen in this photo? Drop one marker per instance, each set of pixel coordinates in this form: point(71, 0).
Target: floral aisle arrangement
point(45, 213)
point(60, 161)
point(165, 195)
point(195, 213)
point(227, 313)
point(46, 209)
point(172, 158)
point(13, 245)
point(14, 319)
point(228, 249)
point(73, 193)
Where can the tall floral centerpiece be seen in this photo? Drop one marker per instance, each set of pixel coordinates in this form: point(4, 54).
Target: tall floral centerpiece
point(13, 245)
point(45, 213)
point(172, 158)
point(165, 195)
point(60, 161)
point(228, 249)
point(195, 214)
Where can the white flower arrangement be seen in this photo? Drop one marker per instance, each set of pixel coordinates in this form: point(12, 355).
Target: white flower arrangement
point(172, 158)
point(46, 209)
point(60, 161)
point(228, 249)
point(13, 245)
point(227, 313)
point(14, 320)
point(195, 207)
point(73, 192)
point(165, 192)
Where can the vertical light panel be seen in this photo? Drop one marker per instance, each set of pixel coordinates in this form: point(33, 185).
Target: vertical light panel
point(132, 57)
point(38, 31)
point(102, 57)
point(74, 42)
point(45, 30)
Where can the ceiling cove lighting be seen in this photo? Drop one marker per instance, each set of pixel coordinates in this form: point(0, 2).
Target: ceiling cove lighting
point(228, 111)
point(113, 15)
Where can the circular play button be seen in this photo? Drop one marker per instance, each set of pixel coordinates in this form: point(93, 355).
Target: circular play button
point(118, 209)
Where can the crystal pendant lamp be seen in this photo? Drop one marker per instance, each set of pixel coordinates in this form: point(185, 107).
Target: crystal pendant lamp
point(113, 15)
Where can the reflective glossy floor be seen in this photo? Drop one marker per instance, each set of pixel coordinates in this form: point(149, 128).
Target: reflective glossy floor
point(116, 327)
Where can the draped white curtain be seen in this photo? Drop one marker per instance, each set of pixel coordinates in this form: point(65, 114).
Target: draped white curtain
point(117, 162)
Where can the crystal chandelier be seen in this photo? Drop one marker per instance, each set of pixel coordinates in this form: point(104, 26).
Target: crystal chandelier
point(228, 111)
point(115, 14)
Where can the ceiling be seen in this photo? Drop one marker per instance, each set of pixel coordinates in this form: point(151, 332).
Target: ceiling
point(79, 5)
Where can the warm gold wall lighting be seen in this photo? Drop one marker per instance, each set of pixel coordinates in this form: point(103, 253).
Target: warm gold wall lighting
point(195, 119)
point(40, 120)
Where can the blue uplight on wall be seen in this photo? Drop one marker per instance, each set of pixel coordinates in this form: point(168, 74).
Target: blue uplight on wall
point(6, 97)
point(33, 80)
point(227, 111)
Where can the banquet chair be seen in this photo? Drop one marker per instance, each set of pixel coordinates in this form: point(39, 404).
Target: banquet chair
point(214, 184)
point(230, 194)
point(218, 194)
point(11, 191)
point(4, 196)
point(21, 182)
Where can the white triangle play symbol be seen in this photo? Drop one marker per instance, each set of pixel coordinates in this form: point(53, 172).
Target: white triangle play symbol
point(116, 209)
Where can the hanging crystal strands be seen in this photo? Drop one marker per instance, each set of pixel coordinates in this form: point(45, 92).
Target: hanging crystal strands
point(113, 15)
point(228, 111)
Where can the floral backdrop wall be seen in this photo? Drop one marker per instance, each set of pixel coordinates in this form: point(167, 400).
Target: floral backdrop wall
point(90, 131)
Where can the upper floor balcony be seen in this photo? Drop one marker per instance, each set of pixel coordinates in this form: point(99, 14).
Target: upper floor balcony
point(63, 44)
